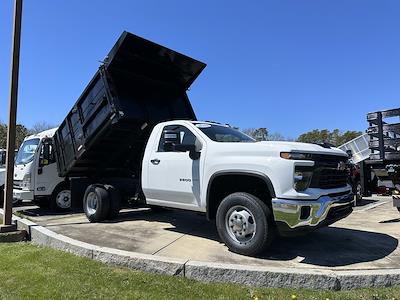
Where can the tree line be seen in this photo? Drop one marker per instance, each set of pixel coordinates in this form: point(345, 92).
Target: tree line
point(334, 137)
point(22, 132)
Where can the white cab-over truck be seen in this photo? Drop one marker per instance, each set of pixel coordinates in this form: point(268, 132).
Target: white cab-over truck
point(132, 138)
point(35, 177)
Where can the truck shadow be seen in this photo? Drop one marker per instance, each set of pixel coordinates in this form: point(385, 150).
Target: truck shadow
point(333, 247)
point(365, 202)
point(328, 247)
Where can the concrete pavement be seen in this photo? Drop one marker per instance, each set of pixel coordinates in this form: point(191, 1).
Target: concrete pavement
point(367, 239)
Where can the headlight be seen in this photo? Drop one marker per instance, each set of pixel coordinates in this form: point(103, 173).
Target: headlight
point(302, 178)
point(26, 181)
point(296, 155)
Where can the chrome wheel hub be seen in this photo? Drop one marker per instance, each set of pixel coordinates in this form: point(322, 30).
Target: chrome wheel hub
point(63, 199)
point(240, 224)
point(91, 203)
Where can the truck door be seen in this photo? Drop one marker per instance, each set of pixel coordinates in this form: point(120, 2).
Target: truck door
point(46, 177)
point(173, 176)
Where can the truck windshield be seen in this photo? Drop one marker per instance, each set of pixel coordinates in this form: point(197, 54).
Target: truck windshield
point(27, 151)
point(219, 133)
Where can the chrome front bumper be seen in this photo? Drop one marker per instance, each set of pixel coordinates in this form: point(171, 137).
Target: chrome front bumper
point(297, 215)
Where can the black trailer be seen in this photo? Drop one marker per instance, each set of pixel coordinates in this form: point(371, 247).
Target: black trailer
point(384, 161)
point(104, 135)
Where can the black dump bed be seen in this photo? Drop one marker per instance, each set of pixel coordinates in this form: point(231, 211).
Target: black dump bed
point(139, 85)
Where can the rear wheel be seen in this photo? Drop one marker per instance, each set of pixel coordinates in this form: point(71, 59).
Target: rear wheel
point(60, 199)
point(96, 203)
point(115, 202)
point(245, 224)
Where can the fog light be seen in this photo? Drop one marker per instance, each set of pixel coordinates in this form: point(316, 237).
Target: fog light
point(305, 212)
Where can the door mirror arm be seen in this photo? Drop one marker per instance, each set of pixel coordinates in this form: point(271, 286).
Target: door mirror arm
point(192, 149)
point(194, 155)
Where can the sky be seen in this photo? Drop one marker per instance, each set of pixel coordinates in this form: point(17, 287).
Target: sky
point(291, 66)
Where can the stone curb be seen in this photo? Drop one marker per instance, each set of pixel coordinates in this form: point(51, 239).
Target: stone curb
point(268, 277)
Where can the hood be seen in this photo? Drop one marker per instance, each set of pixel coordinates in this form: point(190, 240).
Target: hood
point(303, 147)
point(274, 148)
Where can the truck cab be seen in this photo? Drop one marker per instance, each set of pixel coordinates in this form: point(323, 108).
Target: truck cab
point(35, 173)
point(282, 187)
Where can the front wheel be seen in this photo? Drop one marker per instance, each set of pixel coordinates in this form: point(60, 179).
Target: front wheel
point(60, 199)
point(245, 224)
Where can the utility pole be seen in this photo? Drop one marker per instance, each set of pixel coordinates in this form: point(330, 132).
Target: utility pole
point(12, 119)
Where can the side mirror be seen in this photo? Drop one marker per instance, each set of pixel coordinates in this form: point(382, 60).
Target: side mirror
point(194, 151)
point(171, 139)
point(44, 162)
point(349, 153)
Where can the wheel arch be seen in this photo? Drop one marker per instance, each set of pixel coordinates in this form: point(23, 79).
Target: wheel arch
point(263, 184)
point(61, 183)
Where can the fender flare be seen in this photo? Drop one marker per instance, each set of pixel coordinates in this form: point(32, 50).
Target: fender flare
point(256, 174)
point(64, 182)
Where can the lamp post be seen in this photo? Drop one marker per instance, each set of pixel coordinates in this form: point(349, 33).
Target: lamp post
point(12, 119)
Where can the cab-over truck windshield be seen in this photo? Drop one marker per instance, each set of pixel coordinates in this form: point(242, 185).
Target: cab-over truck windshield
point(27, 151)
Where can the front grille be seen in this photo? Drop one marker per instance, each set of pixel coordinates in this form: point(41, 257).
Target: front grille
point(327, 175)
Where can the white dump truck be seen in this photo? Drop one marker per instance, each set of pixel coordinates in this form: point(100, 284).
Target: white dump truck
point(133, 137)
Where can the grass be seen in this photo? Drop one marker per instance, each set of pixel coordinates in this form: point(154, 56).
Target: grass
point(31, 272)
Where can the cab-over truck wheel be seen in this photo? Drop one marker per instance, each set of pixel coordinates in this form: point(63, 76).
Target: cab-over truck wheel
point(245, 223)
point(60, 199)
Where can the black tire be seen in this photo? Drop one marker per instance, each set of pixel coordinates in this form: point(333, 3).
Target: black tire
point(260, 239)
point(96, 203)
point(115, 202)
point(358, 192)
point(60, 199)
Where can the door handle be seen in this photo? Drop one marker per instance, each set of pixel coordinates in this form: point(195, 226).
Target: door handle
point(155, 161)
